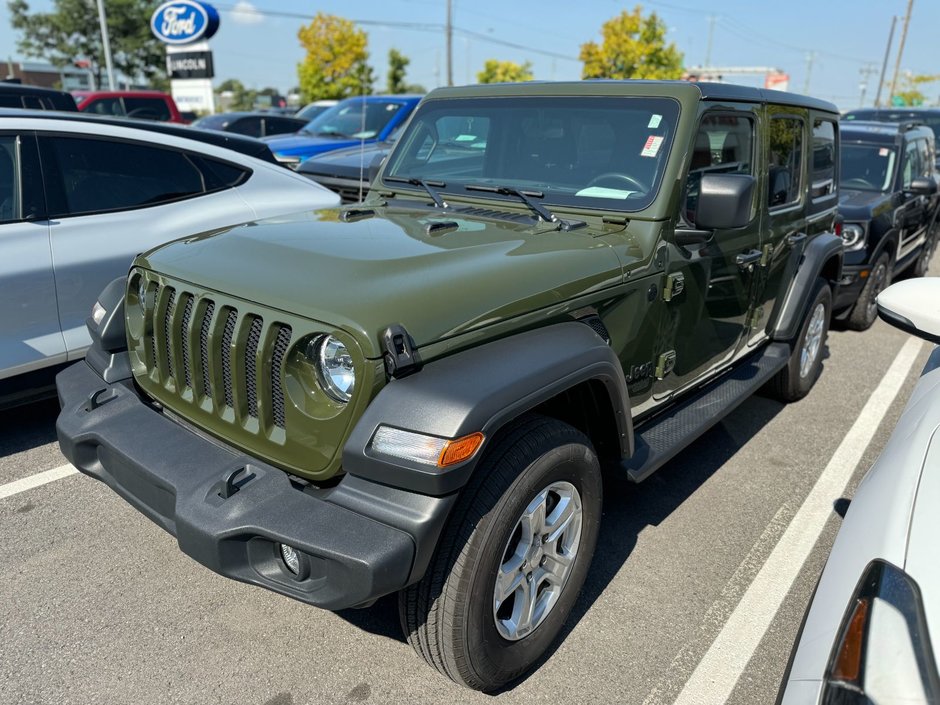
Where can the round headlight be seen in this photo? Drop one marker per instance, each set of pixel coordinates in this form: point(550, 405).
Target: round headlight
point(853, 236)
point(142, 294)
point(334, 367)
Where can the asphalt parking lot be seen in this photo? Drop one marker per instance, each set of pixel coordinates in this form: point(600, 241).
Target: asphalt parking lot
point(97, 605)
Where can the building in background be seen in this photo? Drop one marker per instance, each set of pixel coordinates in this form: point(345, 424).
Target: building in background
point(36, 73)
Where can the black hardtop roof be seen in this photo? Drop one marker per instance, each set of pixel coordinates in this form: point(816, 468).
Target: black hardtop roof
point(707, 91)
point(239, 143)
point(9, 87)
point(882, 132)
point(751, 94)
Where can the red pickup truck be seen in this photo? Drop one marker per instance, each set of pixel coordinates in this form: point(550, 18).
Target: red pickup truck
point(146, 105)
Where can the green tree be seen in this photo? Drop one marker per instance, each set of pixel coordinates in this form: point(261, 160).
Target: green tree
point(241, 99)
point(910, 92)
point(70, 31)
point(336, 65)
point(397, 63)
point(495, 71)
point(632, 46)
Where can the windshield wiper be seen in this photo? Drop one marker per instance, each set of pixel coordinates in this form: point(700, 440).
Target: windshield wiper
point(524, 196)
point(428, 186)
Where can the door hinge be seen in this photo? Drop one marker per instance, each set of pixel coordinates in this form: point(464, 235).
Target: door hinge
point(675, 285)
point(755, 317)
point(766, 253)
point(665, 364)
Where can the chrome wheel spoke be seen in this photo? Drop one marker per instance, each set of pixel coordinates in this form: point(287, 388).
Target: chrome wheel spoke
point(565, 512)
point(508, 581)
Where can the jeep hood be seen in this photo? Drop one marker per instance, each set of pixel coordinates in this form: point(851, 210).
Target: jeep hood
point(364, 276)
point(862, 205)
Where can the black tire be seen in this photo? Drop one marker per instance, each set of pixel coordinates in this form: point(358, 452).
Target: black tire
point(865, 312)
point(793, 382)
point(449, 617)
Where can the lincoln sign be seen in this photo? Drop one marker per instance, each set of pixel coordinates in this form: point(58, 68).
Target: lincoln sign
point(184, 22)
point(190, 64)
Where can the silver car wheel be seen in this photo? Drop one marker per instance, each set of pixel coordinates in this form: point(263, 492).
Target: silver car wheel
point(879, 278)
point(537, 560)
point(813, 340)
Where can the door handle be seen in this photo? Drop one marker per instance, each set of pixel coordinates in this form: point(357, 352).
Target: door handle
point(795, 238)
point(746, 260)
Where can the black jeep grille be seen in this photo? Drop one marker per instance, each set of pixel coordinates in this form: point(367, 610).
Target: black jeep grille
point(214, 352)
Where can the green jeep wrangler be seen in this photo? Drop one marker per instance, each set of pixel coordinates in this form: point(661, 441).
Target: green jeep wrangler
point(418, 394)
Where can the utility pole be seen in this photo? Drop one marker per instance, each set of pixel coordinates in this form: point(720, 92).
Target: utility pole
point(866, 72)
point(897, 64)
point(103, 21)
point(711, 33)
point(450, 42)
point(884, 65)
point(810, 58)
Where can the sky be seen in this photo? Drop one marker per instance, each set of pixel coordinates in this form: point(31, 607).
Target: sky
point(823, 45)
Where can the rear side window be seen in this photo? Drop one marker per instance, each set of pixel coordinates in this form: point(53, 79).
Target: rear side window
point(105, 106)
point(250, 126)
point(824, 159)
point(10, 101)
point(912, 166)
point(785, 162)
point(99, 175)
point(147, 109)
point(10, 200)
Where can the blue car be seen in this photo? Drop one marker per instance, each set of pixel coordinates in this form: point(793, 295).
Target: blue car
point(368, 119)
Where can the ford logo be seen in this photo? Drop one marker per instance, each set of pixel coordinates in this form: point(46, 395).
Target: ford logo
point(184, 21)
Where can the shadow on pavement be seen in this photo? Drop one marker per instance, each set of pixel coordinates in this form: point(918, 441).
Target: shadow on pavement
point(28, 426)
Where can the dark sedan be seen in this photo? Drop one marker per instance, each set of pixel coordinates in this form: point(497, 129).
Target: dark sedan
point(251, 124)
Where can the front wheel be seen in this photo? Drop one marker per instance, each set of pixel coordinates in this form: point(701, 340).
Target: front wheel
point(802, 370)
point(512, 558)
point(865, 310)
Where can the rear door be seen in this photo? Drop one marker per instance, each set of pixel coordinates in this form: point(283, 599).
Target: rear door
point(111, 199)
point(912, 213)
point(30, 336)
point(711, 286)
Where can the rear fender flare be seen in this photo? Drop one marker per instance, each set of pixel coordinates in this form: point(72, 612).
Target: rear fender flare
point(821, 258)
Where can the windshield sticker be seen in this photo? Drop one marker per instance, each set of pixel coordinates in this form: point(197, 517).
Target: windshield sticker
point(602, 192)
point(465, 138)
point(655, 120)
point(883, 152)
point(651, 149)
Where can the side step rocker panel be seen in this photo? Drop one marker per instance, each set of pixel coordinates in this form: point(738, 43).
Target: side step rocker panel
point(665, 436)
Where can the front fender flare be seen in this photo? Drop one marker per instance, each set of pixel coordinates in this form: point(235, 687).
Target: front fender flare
point(481, 389)
point(820, 250)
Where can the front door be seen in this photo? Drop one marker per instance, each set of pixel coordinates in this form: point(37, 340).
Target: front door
point(710, 286)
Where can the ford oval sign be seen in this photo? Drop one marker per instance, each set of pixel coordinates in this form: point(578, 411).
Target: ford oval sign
point(184, 21)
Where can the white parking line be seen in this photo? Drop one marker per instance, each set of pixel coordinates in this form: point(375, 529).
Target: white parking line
point(719, 670)
point(28, 483)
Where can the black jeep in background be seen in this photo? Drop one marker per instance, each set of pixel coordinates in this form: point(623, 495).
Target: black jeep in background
point(929, 116)
point(888, 200)
point(16, 95)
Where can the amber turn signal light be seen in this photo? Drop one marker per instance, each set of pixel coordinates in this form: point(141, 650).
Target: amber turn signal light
point(460, 449)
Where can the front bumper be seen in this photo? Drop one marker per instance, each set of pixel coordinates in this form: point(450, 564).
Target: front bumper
point(850, 287)
point(230, 511)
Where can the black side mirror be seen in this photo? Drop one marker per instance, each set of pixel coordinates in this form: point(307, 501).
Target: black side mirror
point(923, 186)
point(374, 167)
point(724, 201)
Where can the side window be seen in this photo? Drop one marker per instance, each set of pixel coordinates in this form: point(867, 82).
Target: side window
point(32, 102)
point(911, 167)
point(824, 162)
point(724, 144)
point(147, 109)
point(106, 175)
point(10, 200)
point(219, 175)
point(926, 157)
point(250, 126)
point(106, 106)
point(785, 162)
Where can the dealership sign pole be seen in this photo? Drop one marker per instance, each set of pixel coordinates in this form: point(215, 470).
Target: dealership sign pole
point(185, 26)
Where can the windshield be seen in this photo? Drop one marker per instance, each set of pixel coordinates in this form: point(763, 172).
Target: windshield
point(867, 167)
point(597, 152)
point(212, 122)
point(354, 118)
